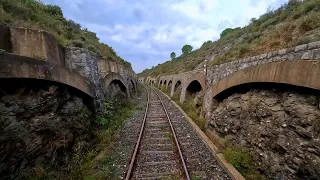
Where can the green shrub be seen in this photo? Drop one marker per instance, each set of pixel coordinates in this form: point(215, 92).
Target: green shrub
point(77, 43)
point(243, 162)
point(164, 88)
point(309, 22)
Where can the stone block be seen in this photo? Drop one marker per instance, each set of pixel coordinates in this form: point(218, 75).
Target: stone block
point(282, 51)
point(314, 45)
point(263, 56)
point(291, 57)
point(307, 55)
point(301, 47)
point(316, 54)
point(290, 50)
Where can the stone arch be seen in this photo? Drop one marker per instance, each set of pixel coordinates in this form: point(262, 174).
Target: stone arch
point(132, 87)
point(193, 90)
point(192, 79)
point(169, 87)
point(304, 73)
point(115, 80)
point(12, 66)
point(160, 83)
point(176, 89)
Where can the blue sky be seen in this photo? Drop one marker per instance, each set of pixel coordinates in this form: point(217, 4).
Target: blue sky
point(145, 32)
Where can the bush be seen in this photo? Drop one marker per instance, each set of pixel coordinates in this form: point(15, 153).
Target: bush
point(77, 43)
point(309, 22)
point(242, 161)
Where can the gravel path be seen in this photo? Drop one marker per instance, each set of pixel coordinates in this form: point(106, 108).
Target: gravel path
point(200, 161)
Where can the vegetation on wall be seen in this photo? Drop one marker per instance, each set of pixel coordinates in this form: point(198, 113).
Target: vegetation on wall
point(294, 23)
point(36, 15)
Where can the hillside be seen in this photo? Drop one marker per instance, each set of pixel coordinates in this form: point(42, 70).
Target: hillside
point(294, 23)
point(36, 15)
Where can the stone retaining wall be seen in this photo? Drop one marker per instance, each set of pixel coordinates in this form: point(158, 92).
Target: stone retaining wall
point(301, 52)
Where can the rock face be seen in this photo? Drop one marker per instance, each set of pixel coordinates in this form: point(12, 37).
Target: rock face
point(41, 128)
point(280, 129)
point(85, 62)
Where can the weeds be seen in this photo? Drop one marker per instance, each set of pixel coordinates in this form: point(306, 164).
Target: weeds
point(164, 88)
point(191, 109)
point(108, 124)
point(243, 162)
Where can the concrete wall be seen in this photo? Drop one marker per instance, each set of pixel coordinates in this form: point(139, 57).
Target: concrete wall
point(40, 57)
point(14, 66)
point(35, 44)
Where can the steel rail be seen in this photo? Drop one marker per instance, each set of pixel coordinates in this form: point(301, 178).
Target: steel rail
point(175, 139)
point(129, 172)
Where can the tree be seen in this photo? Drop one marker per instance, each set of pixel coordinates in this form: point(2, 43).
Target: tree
point(207, 43)
point(227, 31)
point(186, 49)
point(173, 55)
point(54, 10)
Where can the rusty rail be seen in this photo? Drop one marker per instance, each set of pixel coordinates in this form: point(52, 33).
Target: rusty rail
point(175, 139)
point(133, 158)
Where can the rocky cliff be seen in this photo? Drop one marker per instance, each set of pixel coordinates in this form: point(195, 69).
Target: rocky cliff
point(279, 128)
point(42, 125)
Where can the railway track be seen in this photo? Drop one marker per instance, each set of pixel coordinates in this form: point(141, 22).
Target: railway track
point(157, 154)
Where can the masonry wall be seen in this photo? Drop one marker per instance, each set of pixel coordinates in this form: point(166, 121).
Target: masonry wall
point(301, 52)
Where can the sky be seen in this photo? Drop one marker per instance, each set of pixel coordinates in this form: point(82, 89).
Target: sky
point(145, 32)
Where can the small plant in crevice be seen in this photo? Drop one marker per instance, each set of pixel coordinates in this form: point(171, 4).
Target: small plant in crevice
point(243, 162)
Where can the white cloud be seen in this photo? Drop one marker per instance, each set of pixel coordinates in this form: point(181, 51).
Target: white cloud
point(145, 32)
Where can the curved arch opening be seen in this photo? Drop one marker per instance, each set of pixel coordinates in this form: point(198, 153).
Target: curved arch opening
point(169, 86)
point(30, 85)
point(132, 87)
point(177, 90)
point(193, 89)
point(116, 89)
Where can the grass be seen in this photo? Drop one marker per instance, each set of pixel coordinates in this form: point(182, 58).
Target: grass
point(36, 15)
point(164, 88)
point(243, 162)
point(294, 23)
point(191, 109)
